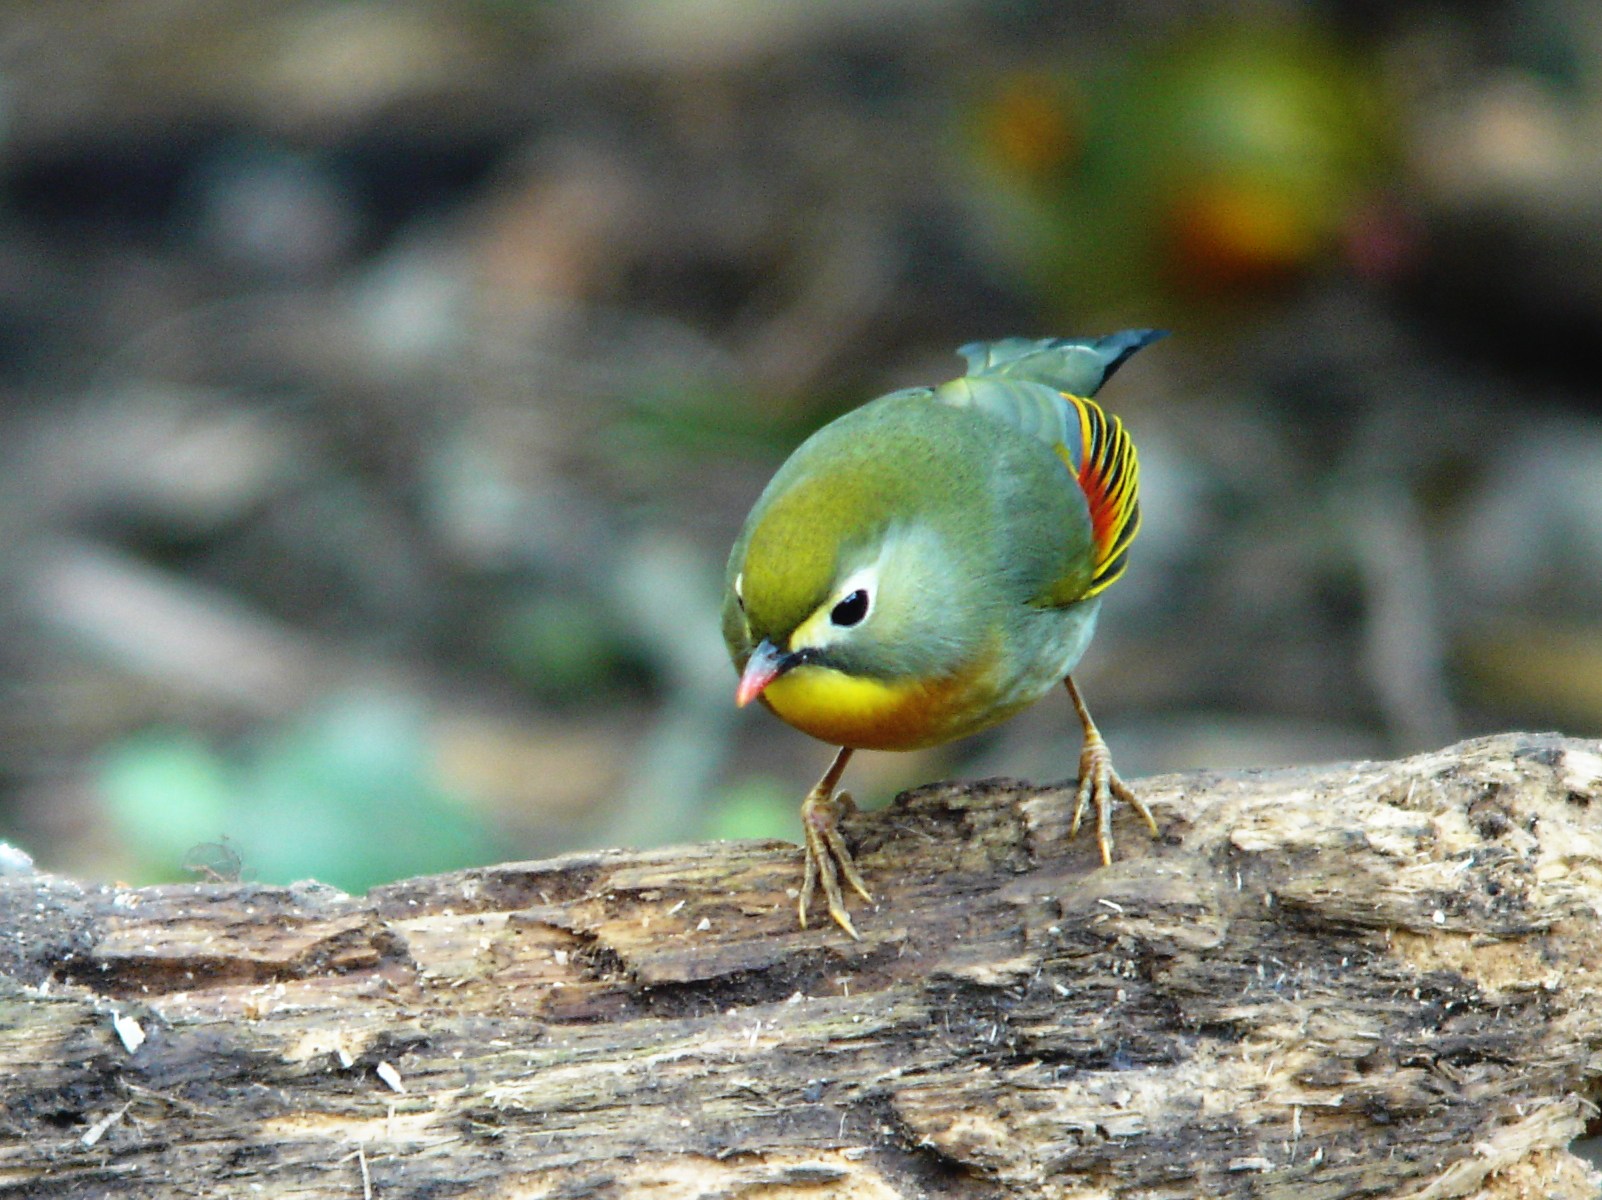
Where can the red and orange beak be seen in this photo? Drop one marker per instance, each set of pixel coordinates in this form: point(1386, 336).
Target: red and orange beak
point(767, 663)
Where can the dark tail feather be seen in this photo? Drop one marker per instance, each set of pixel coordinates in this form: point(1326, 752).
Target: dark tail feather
point(1117, 347)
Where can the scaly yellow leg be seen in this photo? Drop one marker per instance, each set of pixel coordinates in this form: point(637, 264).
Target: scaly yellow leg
point(1099, 783)
point(827, 857)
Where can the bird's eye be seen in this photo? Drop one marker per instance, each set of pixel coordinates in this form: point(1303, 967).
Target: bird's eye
point(850, 610)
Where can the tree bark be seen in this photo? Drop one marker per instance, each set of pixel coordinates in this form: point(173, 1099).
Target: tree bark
point(1373, 979)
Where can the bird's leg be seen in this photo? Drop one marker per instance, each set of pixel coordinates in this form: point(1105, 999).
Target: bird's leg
point(828, 859)
point(1099, 783)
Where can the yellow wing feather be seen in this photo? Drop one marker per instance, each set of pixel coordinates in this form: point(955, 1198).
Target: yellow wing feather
point(1109, 474)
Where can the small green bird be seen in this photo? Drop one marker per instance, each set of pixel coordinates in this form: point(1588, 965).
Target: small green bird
point(931, 563)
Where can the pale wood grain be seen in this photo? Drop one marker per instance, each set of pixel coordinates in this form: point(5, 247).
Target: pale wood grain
point(1371, 979)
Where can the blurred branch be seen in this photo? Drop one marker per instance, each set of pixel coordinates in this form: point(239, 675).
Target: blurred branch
point(174, 631)
point(1403, 644)
point(845, 280)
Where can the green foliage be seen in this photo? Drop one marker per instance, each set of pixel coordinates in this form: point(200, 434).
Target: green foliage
point(345, 794)
point(758, 806)
point(559, 643)
point(1226, 160)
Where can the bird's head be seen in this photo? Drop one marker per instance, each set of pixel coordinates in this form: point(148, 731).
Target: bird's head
point(847, 572)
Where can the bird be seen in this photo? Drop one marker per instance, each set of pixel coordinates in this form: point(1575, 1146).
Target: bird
point(930, 563)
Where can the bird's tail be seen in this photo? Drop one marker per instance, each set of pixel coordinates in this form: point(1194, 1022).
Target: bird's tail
point(1077, 366)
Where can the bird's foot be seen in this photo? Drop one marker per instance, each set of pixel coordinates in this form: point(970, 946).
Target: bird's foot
point(1098, 785)
point(827, 856)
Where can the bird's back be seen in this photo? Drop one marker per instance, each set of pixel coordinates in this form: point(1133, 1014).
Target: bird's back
point(1006, 499)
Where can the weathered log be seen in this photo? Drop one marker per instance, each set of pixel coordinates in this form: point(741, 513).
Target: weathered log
point(1374, 979)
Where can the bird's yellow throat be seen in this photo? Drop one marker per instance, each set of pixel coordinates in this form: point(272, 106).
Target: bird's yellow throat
point(876, 714)
point(869, 714)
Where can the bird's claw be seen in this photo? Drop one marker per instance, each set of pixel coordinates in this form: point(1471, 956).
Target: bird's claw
point(828, 859)
point(1098, 785)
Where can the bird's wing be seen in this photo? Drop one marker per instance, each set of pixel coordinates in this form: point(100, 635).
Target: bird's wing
point(1108, 471)
point(1023, 383)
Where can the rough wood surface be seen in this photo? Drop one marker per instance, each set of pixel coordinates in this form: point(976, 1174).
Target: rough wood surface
point(1374, 979)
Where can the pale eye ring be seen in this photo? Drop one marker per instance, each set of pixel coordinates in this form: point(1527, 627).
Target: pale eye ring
point(850, 610)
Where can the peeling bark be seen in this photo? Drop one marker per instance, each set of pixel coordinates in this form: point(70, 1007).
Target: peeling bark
point(1373, 979)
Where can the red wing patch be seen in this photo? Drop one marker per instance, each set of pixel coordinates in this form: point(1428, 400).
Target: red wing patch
point(1109, 475)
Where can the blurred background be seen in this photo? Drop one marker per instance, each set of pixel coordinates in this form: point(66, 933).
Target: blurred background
point(382, 385)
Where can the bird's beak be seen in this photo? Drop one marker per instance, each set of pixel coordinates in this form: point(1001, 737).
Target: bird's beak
point(767, 663)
